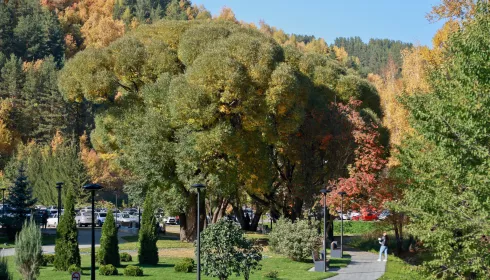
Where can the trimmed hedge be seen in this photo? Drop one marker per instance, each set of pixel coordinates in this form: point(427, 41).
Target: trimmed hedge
point(185, 265)
point(108, 269)
point(125, 257)
point(47, 259)
point(74, 268)
point(132, 270)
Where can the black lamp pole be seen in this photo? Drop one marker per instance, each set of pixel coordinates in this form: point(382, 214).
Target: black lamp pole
point(117, 210)
point(324, 193)
point(93, 188)
point(342, 224)
point(198, 187)
point(59, 185)
point(3, 201)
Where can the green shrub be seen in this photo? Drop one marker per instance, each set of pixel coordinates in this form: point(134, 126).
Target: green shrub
point(225, 251)
point(74, 268)
point(47, 259)
point(185, 265)
point(148, 235)
point(28, 250)
point(295, 240)
point(4, 269)
point(272, 274)
point(132, 270)
point(67, 252)
point(125, 257)
point(108, 269)
point(109, 245)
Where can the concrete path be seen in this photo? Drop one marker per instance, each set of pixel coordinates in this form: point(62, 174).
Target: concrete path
point(363, 266)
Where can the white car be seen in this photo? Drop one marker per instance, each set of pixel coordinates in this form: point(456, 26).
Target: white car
point(53, 221)
point(171, 220)
point(100, 218)
point(342, 216)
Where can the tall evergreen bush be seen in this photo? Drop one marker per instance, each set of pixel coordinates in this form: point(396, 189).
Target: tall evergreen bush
point(28, 250)
point(109, 245)
point(66, 249)
point(148, 235)
point(20, 200)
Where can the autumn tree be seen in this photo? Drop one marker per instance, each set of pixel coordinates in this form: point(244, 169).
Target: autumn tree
point(242, 124)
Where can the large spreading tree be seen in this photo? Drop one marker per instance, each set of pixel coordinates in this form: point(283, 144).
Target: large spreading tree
point(217, 103)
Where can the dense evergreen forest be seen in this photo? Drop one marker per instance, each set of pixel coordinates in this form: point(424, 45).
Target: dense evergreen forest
point(374, 55)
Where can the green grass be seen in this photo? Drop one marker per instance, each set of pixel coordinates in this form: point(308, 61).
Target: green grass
point(47, 240)
point(356, 228)
point(397, 269)
point(167, 241)
point(165, 270)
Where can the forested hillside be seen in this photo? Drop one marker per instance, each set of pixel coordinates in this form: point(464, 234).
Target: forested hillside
point(375, 54)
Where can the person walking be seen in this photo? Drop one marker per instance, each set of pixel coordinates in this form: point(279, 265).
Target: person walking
point(45, 219)
point(383, 241)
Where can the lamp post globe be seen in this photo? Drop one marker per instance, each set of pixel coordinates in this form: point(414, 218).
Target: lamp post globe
point(198, 187)
point(92, 188)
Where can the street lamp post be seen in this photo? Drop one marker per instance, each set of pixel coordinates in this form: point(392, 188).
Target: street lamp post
point(198, 188)
point(117, 210)
point(3, 201)
point(342, 224)
point(59, 185)
point(324, 193)
point(93, 188)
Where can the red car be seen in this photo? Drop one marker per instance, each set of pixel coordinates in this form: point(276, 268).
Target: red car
point(369, 217)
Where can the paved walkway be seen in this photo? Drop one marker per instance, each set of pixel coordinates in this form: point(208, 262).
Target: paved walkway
point(363, 266)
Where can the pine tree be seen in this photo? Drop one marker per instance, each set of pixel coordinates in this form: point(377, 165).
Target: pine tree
point(20, 200)
point(66, 249)
point(109, 247)
point(28, 250)
point(148, 236)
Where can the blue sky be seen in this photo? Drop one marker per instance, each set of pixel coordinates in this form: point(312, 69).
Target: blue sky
point(392, 19)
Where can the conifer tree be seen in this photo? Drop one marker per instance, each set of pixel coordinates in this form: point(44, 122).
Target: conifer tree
point(20, 200)
point(148, 235)
point(109, 245)
point(66, 249)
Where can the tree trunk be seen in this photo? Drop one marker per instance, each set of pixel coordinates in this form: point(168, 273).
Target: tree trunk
point(188, 223)
point(397, 221)
point(238, 211)
point(296, 211)
point(255, 221)
point(219, 212)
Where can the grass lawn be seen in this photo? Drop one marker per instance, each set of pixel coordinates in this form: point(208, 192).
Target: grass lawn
point(168, 241)
point(397, 269)
point(286, 269)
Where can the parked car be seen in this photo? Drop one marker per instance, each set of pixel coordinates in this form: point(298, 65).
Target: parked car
point(171, 220)
point(384, 214)
point(53, 221)
point(369, 216)
point(100, 218)
point(84, 219)
point(126, 219)
point(355, 216)
point(342, 216)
